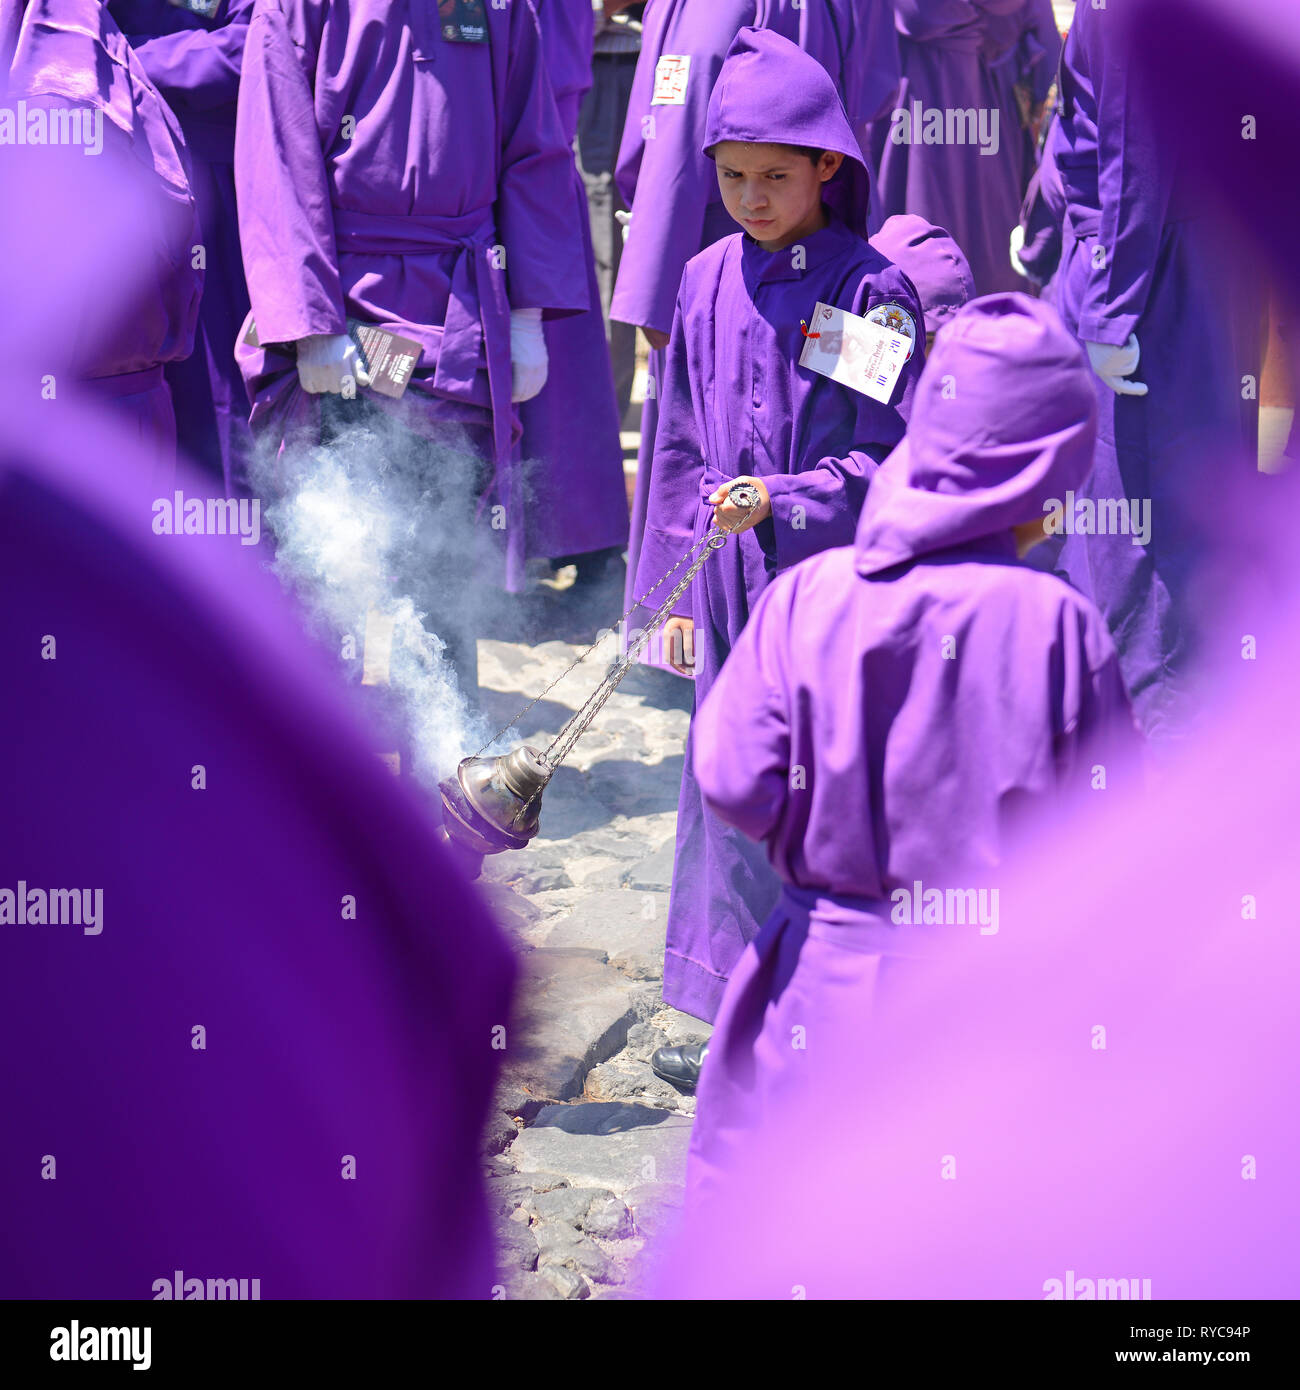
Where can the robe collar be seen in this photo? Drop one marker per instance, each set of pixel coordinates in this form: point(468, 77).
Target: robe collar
point(761, 267)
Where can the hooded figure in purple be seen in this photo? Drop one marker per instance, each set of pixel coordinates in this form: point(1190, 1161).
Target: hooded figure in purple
point(736, 403)
point(193, 56)
point(274, 992)
point(407, 168)
point(933, 262)
point(673, 190)
point(577, 498)
point(1172, 318)
point(944, 152)
point(894, 704)
point(68, 62)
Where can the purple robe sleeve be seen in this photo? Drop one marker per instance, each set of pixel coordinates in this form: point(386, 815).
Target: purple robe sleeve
point(831, 493)
point(677, 468)
point(568, 32)
point(199, 68)
point(674, 182)
point(745, 781)
point(537, 212)
point(286, 221)
point(1134, 180)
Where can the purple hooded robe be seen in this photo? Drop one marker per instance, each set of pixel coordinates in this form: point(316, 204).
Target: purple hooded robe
point(672, 188)
point(388, 174)
point(932, 261)
point(271, 1060)
point(194, 62)
point(736, 401)
point(972, 188)
point(893, 703)
point(70, 55)
point(577, 498)
point(1145, 254)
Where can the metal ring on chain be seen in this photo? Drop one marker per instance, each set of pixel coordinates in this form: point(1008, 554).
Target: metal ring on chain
point(744, 495)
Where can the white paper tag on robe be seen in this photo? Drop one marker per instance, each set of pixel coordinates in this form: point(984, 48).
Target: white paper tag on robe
point(205, 9)
point(855, 352)
point(672, 72)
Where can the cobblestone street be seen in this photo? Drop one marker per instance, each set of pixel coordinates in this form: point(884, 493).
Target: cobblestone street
point(586, 1147)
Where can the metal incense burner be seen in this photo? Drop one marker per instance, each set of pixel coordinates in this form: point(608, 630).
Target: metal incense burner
point(494, 804)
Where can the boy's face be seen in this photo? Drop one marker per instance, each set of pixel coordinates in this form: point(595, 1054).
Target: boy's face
point(774, 192)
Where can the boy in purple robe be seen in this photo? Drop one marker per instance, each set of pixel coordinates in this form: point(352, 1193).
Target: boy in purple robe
point(672, 188)
point(1172, 317)
point(72, 68)
point(577, 498)
point(737, 403)
point(193, 55)
point(892, 703)
point(943, 152)
point(407, 168)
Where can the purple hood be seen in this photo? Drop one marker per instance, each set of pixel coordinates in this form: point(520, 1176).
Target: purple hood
point(1004, 419)
point(770, 92)
point(932, 261)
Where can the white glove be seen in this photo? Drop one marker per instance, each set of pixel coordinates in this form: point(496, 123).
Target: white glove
point(326, 361)
point(624, 220)
point(1017, 245)
point(528, 356)
point(1113, 364)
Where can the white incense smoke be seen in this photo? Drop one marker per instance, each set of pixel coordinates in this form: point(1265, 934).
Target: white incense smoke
point(374, 530)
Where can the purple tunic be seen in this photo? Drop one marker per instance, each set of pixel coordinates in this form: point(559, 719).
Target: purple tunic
point(573, 456)
point(932, 261)
point(972, 180)
point(893, 703)
point(69, 54)
point(1144, 255)
point(1021, 48)
point(663, 173)
point(737, 402)
point(419, 184)
point(1042, 217)
point(273, 1054)
point(194, 62)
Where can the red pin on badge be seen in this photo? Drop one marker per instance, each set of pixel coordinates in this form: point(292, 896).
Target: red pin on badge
point(803, 328)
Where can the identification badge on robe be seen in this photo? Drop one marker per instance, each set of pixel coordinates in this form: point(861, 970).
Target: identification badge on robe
point(389, 358)
point(205, 9)
point(672, 72)
point(462, 21)
point(865, 354)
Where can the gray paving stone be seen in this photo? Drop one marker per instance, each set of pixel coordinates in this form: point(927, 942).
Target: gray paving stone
point(628, 927)
point(655, 1206)
point(653, 873)
point(606, 1145)
point(567, 1282)
point(516, 1246)
point(574, 1012)
point(559, 1244)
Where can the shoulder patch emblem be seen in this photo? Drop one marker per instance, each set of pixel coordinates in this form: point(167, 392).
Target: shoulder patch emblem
point(898, 320)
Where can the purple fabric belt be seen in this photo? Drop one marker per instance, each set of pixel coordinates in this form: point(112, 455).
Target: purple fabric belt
point(476, 328)
point(863, 924)
point(126, 383)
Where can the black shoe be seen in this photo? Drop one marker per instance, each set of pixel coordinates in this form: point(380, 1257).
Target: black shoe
point(680, 1065)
